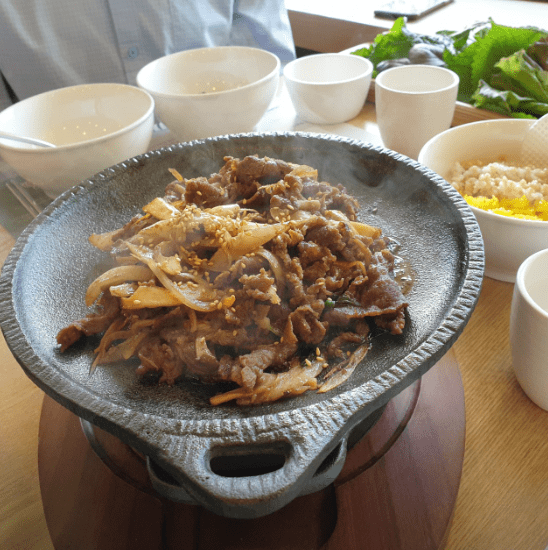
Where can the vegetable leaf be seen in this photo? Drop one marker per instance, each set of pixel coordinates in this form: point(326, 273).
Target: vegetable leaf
point(477, 61)
point(539, 52)
point(526, 73)
point(396, 43)
point(462, 39)
point(507, 102)
point(518, 88)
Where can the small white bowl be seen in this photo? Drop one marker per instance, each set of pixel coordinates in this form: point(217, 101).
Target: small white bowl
point(93, 126)
point(508, 241)
point(212, 91)
point(328, 88)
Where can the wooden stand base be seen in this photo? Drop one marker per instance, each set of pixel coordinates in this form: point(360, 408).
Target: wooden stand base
point(396, 491)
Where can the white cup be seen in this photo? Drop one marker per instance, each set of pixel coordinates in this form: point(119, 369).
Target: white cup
point(328, 88)
point(529, 327)
point(413, 104)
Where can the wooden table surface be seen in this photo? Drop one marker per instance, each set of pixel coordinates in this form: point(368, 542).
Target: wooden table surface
point(503, 498)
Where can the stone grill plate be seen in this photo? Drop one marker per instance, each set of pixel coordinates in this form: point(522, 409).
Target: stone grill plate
point(44, 279)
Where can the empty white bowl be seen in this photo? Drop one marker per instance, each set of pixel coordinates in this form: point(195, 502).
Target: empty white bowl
point(212, 91)
point(93, 126)
point(328, 88)
point(508, 241)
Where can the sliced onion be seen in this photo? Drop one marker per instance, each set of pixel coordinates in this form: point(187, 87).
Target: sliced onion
point(188, 295)
point(161, 209)
point(344, 374)
point(360, 228)
point(114, 277)
point(104, 241)
point(124, 290)
point(168, 264)
point(149, 297)
point(159, 231)
point(224, 210)
point(304, 171)
point(123, 351)
point(275, 265)
point(273, 386)
point(251, 237)
point(366, 230)
point(176, 175)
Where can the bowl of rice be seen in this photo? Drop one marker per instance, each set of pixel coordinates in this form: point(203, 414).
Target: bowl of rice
point(482, 161)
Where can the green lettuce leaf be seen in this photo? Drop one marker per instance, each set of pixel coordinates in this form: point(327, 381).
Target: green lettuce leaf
point(477, 60)
point(539, 52)
point(462, 39)
point(507, 102)
point(396, 43)
point(518, 88)
point(526, 75)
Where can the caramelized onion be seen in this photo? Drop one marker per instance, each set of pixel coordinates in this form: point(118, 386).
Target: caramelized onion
point(345, 372)
point(161, 209)
point(116, 276)
point(149, 297)
point(275, 266)
point(195, 297)
point(249, 239)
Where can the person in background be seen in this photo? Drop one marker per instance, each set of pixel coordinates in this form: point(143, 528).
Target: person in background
point(48, 44)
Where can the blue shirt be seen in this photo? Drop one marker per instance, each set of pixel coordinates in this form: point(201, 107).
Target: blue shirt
point(48, 44)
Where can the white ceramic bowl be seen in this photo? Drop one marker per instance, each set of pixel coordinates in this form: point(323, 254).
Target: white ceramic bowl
point(212, 91)
point(508, 241)
point(93, 126)
point(328, 88)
